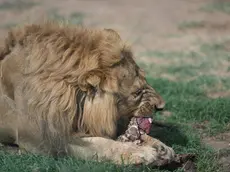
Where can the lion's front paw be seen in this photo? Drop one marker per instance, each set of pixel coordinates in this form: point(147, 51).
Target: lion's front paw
point(138, 155)
point(165, 154)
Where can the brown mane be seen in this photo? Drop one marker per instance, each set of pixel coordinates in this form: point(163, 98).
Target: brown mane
point(61, 60)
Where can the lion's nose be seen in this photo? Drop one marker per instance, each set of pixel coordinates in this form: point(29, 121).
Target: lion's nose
point(160, 106)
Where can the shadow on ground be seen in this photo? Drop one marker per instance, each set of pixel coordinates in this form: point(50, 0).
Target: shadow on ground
point(169, 134)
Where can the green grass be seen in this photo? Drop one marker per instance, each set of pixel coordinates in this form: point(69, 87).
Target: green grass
point(191, 24)
point(7, 26)
point(75, 18)
point(196, 73)
point(17, 5)
point(217, 6)
point(188, 104)
point(28, 163)
point(186, 99)
point(169, 54)
point(209, 59)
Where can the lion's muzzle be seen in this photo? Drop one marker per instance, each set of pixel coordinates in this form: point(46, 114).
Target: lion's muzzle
point(151, 102)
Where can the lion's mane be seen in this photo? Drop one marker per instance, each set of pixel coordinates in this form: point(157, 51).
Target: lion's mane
point(62, 65)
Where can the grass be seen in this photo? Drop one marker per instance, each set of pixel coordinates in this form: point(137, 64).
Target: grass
point(75, 18)
point(191, 24)
point(8, 25)
point(186, 96)
point(54, 15)
point(17, 5)
point(188, 104)
point(195, 73)
point(210, 59)
point(217, 6)
point(28, 163)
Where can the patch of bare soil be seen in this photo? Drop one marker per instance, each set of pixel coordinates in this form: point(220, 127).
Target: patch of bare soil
point(201, 126)
point(168, 77)
point(221, 143)
point(225, 162)
point(220, 94)
point(217, 144)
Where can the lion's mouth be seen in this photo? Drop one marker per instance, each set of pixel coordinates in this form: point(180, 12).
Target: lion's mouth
point(149, 119)
point(144, 123)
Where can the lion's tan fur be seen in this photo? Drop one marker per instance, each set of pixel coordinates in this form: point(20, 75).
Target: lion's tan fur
point(53, 72)
point(94, 109)
point(44, 66)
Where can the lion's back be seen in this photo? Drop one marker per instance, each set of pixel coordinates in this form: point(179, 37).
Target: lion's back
point(53, 45)
point(45, 37)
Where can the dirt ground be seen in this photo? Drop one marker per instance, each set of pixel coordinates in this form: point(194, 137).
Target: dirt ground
point(146, 24)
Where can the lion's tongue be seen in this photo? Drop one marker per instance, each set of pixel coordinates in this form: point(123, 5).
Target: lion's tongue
point(144, 124)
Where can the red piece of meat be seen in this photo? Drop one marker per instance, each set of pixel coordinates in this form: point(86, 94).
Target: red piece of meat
point(144, 124)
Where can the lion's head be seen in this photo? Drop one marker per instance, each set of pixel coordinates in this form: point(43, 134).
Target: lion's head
point(117, 89)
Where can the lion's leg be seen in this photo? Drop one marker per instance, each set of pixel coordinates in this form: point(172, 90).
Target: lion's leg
point(163, 150)
point(97, 148)
point(25, 138)
point(7, 122)
point(15, 128)
point(132, 132)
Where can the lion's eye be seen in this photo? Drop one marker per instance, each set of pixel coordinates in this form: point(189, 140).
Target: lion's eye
point(138, 92)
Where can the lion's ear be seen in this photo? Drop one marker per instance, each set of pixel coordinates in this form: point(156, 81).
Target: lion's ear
point(112, 32)
point(91, 79)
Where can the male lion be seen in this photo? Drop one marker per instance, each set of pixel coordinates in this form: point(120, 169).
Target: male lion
point(64, 88)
